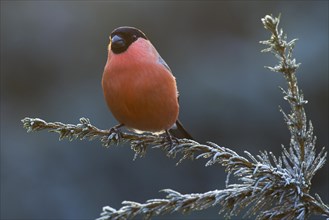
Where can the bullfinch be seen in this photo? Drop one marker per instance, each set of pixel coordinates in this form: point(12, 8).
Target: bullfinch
point(139, 87)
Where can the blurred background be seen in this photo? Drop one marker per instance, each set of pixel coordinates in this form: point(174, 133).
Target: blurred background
point(52, 57)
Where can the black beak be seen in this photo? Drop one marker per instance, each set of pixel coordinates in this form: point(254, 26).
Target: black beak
point(117, 42)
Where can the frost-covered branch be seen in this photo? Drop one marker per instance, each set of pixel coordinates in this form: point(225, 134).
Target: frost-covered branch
point(269, 187)
point(261, 179)
point(232, 199)
point(85, 130)
point(302, 141)
point(188, 149)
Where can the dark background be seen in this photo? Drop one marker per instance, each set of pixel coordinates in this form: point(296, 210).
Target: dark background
point(52, 58)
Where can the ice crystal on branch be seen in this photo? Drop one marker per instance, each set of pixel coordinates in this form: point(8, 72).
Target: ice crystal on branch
point(268, 187)
point(302, 141)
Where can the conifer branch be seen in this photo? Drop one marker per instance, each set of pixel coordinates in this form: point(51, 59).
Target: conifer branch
point(302, 140)
point(268, 187)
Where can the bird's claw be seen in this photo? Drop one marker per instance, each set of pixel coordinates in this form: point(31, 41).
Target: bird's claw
point(172, 140)
point(115, 134)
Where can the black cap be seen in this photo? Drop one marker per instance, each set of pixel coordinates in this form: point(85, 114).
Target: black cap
point(123, 37)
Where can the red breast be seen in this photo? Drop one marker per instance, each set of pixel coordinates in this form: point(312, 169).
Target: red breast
point(139, 90)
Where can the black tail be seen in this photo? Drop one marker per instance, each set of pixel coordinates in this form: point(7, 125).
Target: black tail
point(179, 131)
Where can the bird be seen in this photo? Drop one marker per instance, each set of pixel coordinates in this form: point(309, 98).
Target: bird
point(139, 87)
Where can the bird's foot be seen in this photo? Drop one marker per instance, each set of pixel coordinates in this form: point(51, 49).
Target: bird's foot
point(172, 140)
point(115, 133)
